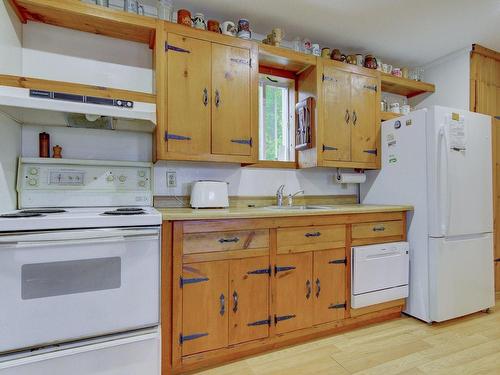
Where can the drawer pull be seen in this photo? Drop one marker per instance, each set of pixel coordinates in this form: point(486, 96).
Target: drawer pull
point(235, 301)
point(313, 234)
point(226, 240)
point(283, 269)
point(379, 228)
point(283, 317)
point(222, 301)
point(318, 287)
point(308, 289)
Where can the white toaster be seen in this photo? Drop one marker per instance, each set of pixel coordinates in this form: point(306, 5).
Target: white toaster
point(209, 194)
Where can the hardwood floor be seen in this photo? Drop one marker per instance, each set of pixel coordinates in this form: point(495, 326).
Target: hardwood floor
point(469, 345)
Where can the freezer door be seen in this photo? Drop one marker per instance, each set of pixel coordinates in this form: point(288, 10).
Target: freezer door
point(460, 178)
point(461, 276)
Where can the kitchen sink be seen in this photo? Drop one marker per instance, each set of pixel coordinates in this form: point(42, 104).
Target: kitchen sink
point(285, 208)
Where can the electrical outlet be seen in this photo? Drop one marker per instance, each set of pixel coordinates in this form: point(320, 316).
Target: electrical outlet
point(171, 179)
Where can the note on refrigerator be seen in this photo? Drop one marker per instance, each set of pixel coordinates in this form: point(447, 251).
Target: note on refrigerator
point(458, 137)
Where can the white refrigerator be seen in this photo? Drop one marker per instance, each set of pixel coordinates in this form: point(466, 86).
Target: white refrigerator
point(439, 160)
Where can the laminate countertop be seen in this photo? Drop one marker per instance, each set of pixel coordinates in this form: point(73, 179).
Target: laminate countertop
point(177, 213)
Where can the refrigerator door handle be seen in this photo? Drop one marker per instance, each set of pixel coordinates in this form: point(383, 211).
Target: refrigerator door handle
point(444, 209)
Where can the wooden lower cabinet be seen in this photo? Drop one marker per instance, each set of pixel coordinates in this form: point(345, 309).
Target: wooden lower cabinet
point(330, 285)
point(263, 290)
point(294, 295)
point(249, 299)
point(204, 306)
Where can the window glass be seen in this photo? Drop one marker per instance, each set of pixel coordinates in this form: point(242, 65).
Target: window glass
point(277, 120)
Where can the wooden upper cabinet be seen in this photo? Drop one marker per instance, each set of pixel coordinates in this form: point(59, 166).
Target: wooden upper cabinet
point(364, 104)
point(294, 292)
point(336, 114)
point(329, 285)
point(249, 299)
point(188, 99)
point(204, 306)
point(231, 125)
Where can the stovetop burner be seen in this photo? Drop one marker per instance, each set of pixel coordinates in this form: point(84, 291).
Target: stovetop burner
point(21, 214)
point(125, 211)
point(43, 211)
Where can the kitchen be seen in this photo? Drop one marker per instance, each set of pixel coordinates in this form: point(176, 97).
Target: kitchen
point(325, 220)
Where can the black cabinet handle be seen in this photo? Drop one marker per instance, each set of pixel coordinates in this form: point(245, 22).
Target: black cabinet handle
point(222, 301)
point(318, 287)
point(226, 240)
point(347, 116)
point(308, 289)
point(205, 97)
point(217, 98)
point(354, 118)
point(380, 228)
point(235, 301)
point(313, 234)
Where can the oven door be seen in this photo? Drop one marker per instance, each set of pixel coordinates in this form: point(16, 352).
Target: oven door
point(59, 286)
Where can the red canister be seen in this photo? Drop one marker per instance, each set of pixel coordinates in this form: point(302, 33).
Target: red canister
point(184, 17)
point(44, 145)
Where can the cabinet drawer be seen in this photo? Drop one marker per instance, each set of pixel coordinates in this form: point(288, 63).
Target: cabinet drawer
point(378, 229)
point(296, 240)
point(195, 243)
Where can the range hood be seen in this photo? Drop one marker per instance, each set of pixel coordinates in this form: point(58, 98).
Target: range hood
point(41, 107)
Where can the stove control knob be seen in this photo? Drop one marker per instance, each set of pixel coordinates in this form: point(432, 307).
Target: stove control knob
point(142, 183)
point(33, 171)
point(32, 182)
point(110, 178)
point(122, 178)
point(142, 174)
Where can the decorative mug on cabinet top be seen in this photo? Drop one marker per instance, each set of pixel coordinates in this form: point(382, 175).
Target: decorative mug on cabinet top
point(184, 17)
point(199, 21)
point(228, 28)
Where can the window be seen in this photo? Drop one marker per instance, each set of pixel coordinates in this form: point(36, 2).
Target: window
point(276, 118)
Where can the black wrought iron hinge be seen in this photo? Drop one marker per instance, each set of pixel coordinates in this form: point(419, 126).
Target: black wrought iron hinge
point(327, 78)
point(283, 317)
point(283, 268)
point(374, 152)
point(260, 323)
point(193, 280)
point(260, 271)
point(243, 141)
point(338, 261)
point(176, 137)
point(338, 306)
point(174, 48)
point(329, 148)
point(194, 336)
point(370, 87)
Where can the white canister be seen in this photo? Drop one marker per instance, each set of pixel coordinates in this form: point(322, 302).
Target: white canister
point(405, 109)
point(165, 9)
point(394, 107)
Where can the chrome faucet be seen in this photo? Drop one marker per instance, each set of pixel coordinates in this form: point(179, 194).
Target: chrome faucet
point(279, 196)
point(290, 197)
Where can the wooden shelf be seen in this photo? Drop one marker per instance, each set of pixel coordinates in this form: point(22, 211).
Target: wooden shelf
point(388, 115)
point(74, 14)
point(404, 86)
point(75, 88)
point(284, 59)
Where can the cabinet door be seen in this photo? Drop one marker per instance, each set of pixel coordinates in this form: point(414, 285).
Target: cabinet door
point(249, 299)
point(188, 95)
point(329, 285)
point(294, 292)
point(204, 306)
point(364, 104)
point(231, 125)
point(336, 114)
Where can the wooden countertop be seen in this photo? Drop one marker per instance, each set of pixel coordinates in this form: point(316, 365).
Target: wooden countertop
point(173, 214)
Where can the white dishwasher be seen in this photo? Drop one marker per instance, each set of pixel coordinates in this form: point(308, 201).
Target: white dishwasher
point(379, 273)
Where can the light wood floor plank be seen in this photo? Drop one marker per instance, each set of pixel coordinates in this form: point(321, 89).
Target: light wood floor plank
point(406, 346)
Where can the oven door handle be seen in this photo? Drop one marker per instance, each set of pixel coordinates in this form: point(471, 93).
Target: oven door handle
point(77, 237)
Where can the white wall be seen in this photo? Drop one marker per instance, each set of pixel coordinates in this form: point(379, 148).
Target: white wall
point(90, 144)
point(249, 181)
point(61, 54)
point(451, 75)
point(10, 41)
point(10, 148)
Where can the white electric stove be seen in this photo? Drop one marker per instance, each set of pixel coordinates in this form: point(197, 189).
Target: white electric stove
point(80, 270)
